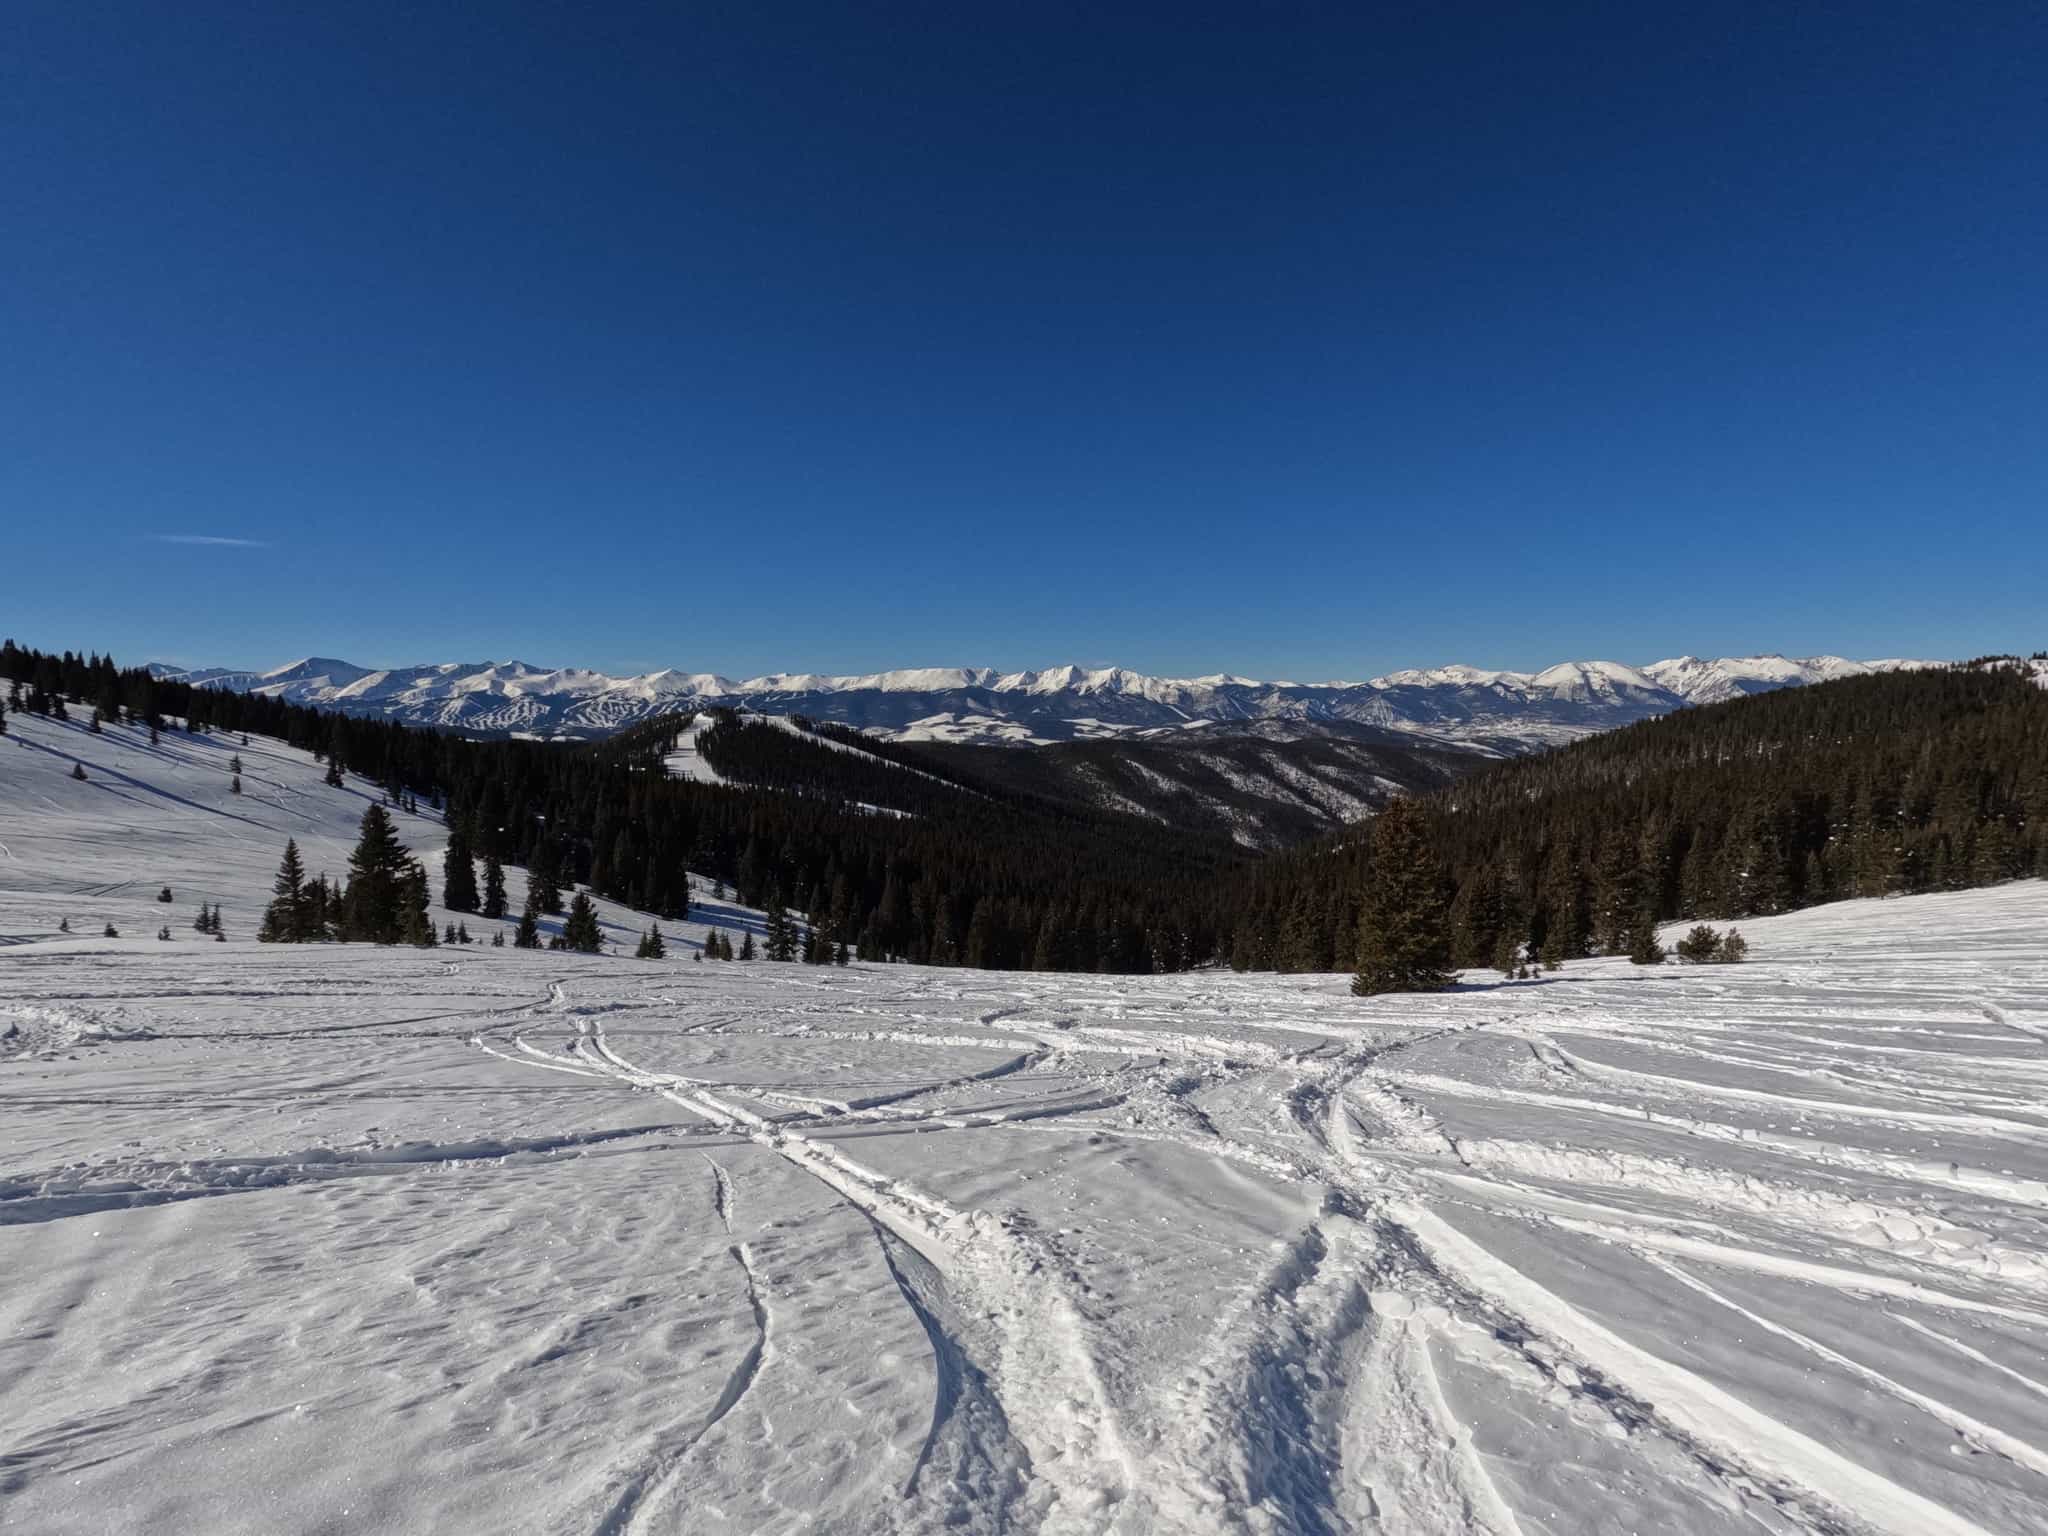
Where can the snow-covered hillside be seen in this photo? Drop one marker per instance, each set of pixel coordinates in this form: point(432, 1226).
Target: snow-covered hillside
point(1495, 710)
point(348, 1238)
point(100, 850)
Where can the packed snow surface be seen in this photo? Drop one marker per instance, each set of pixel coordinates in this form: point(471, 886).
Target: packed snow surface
point(358, 1239)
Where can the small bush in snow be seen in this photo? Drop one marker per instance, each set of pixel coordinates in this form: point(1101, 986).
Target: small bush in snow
point(1700, 946)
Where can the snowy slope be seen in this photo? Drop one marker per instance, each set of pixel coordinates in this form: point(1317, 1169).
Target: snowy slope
point(348, 1238)
point(146, 817)
point(1495, 710)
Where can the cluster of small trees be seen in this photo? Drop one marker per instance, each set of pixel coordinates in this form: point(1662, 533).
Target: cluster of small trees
point(385, 900)
point(1706, 946)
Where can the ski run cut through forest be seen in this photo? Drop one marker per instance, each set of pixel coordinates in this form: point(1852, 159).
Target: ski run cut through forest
point(483, 1239)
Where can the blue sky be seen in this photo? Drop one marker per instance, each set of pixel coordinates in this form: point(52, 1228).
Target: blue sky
point(1291, 341)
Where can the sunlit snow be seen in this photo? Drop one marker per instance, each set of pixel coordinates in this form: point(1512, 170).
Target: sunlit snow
point(476, 1240)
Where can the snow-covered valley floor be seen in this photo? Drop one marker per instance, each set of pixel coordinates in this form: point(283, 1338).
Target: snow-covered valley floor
point(352, 1239)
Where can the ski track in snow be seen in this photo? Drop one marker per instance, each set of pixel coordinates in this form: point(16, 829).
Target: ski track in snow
point(1756, 1249)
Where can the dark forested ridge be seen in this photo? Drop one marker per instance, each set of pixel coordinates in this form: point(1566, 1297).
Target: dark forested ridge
point(941, 872)
point(1259, 792)
point(1910, 781)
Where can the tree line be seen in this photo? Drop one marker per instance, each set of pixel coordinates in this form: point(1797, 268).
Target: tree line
point(1873, 786)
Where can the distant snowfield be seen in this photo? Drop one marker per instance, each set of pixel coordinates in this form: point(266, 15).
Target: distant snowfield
point(359, 1239)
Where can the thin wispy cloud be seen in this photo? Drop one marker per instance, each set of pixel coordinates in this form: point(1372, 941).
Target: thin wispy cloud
point(208, 538)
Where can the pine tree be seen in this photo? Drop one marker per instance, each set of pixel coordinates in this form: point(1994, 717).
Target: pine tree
point(235, 785)
point(333, 779)
point(164, 932)
point(498, 938)
point(544, 876)
point(1405, 932)
point(462, 933)
point(651, 946)
point(165, 894)
point(110, 932)
point(415, 921)
point(1700, 946)
point(448, 935)
point(581, 932)
point(494, 887)
point(373, 906)
point(458, 884)
point(528, 936)
point(284, 921)
point(747, 946)
point(78, 771)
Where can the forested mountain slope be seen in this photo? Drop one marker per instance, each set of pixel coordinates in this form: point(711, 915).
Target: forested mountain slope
point(1868, 786)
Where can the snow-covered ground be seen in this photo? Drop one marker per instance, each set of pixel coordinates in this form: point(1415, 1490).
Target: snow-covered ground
point(355, 1239)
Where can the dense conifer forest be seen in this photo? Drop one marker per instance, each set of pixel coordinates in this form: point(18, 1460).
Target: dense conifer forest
point(1871, 786)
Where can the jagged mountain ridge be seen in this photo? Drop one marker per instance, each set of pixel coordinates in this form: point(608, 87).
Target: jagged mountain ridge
point(1500, 712)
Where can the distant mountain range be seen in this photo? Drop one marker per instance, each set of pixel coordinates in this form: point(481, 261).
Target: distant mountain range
point(1502, 713)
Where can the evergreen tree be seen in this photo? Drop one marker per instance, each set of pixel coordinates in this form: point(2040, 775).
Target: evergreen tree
point(458, 885)
point(544, 876)
point(1700, 946)
point(235, 785)
point(165, 894)
point(1404, 932)
point(581, 932)
point(651, 945)
point(747, 946)
point(285, 919)
point(374, 907)
point(415, 921)
point(498, 939)
point(494, 887)
point(528, 936)
point(333, 779)
point(110, 932)
point(78, 771)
